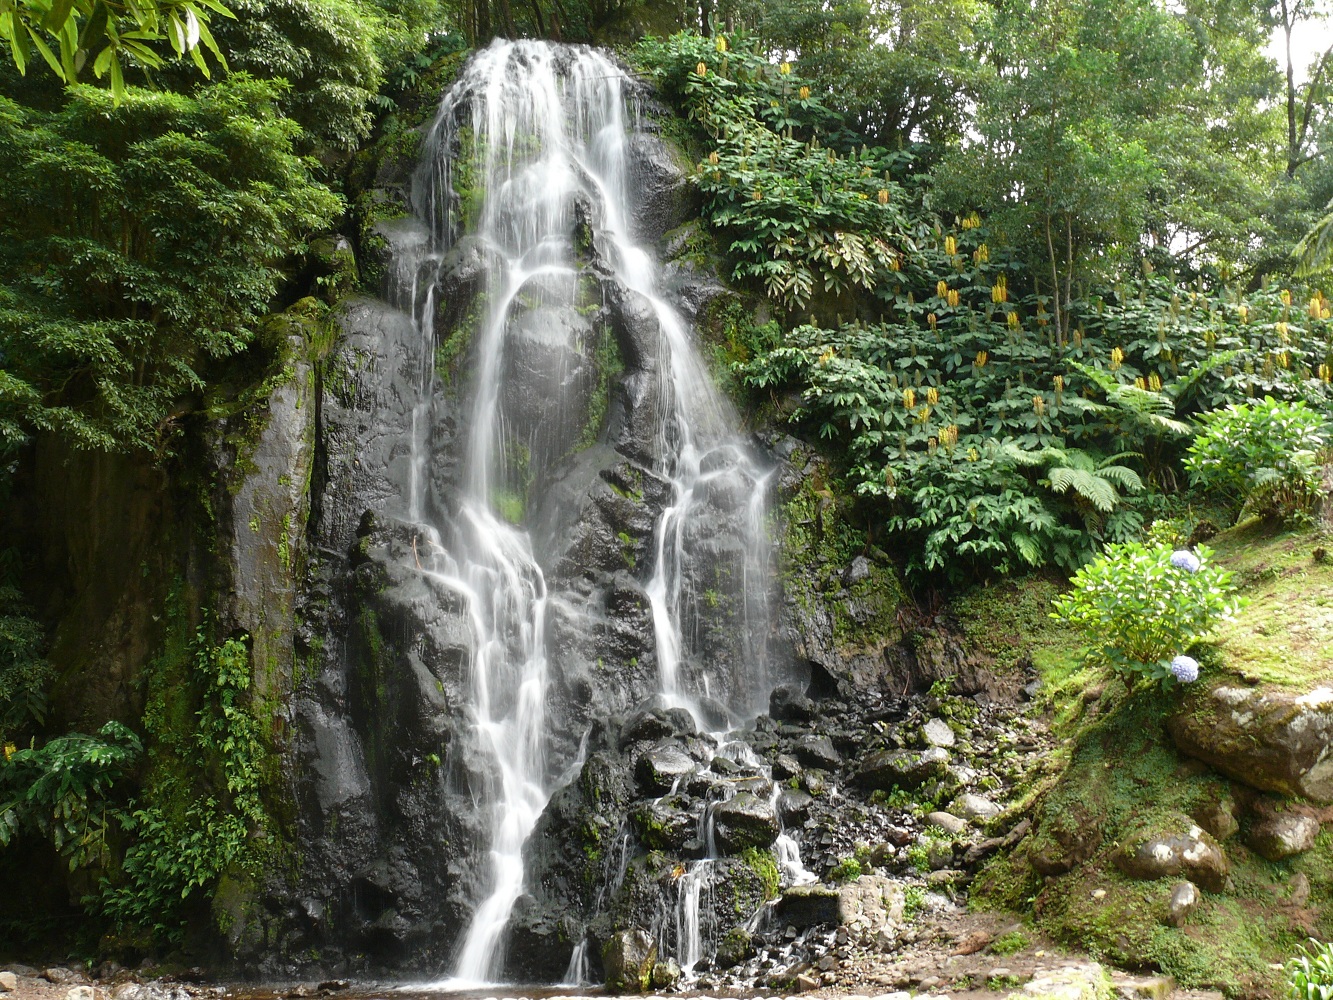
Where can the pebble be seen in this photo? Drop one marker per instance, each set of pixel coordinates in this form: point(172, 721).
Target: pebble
point(8, 981)
point(80, 993)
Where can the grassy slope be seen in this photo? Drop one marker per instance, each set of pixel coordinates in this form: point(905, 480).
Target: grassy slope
point(1123, 775)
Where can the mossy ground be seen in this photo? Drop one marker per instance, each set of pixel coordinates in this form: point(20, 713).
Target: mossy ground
point(1124, 776)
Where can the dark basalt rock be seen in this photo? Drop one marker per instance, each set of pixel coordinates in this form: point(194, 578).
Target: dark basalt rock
point(745, 820)
point(809, 906)
point(659, 768)
point(906, 769)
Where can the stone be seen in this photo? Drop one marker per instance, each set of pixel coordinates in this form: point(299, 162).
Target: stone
point(944, 877)
point(660, 767)
point(805, 983)
point(947, 822)
point(817, 751)
point(1192, 852)
point(786, 766)
point(58, 974)
point(804, 906)
point(628, 959)
point(8, 981)
point(1298, 890)
point(80, 993)
point(936, 733)
point(666, 975)
point(788, 703)
point(745, 820)
point(1273, 740)
point(896, 995)
point(1184, 900)
point(871, 903)
point(794, 806)
point(1143, 987)
point(905, 769)
point(1074, 982)
point(734, 948)
point(645, 726)
point(1218, 818)
point(1282, 834)
point(974, 807)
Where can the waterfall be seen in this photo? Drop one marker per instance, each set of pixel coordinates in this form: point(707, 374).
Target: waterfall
point(532, 146)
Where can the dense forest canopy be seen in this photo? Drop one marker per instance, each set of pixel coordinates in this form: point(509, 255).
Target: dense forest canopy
point(999, 257)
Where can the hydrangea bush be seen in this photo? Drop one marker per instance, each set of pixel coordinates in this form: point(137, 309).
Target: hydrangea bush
point(1143, 606)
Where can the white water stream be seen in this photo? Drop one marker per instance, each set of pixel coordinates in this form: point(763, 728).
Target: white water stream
point(540, 129)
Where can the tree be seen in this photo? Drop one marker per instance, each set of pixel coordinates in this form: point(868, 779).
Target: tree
point(71, 34)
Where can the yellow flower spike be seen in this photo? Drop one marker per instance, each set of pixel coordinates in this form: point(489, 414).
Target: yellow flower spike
point(721, 44)
point(1139, 383)
point(983, 254)
point(758, 195)
point(1078, 337)
point(713, 158)
point(1012, 320)
point(1155, 382)
point(866, 171)
point(932, 395)
point(10, 749)
point(1117, 358)
point(932, 445)
point(1324, 314)
point(1316, 307)
point(954, 297)
point(909, 399)
point(972, 455)
point(941, 288)
point(1325, 374)
point(1281, 330)
point(785, 69)
point(827, 356)
point(1284, 359)
point(1059, 383)
point(883, 196)
point(931, 320)
point(1039, 405)
point(982, 358)
point(1244, 312)
point(1285, 296)
point(950, 246)
point(701, 69)
point(804, 93)
point(895, 264)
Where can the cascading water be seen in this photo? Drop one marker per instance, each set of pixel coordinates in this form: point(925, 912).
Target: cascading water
point(531, 147)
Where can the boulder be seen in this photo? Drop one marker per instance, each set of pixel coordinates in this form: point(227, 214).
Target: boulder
point(788, 703)
point(804, 906)
point(974, 807)
point(1281, 834)
point(786, 766)
point(1273, 740)
point(628, 959)
point(745, 820)
point(1218, 818)
point(1184, 900)
point(1192, 853)
point(8, 981)
point(936, 733)
point(817, 751)
point(906, 769)
point(947, 822)
point(661, 766)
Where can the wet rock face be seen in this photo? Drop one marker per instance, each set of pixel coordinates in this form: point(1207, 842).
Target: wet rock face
point(1272, 740)
point(906, 769)
point(628, 959)
point(1191, 852)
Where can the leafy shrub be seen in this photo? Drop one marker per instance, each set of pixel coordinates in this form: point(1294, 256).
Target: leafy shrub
point(1009, 944)
point(1310, 975)
point(24, 671)
point(1263, 453)
point(60, 791)
point(846, 870)
point(1143, 607)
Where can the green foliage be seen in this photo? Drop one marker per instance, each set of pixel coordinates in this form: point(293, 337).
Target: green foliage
point(1310, 975)
point(800, 217)
point(323, 50)
point(61, 791)
point(763, 864)
point(24, 671)
point(107, 35)
point(202, 812)
point(1258, 449)
point(1009, 944)
point(846, 870)
point(140, 241)
point(1139, 610)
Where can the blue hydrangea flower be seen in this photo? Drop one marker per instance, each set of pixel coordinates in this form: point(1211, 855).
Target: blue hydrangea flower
point(1185, 669)
point(1186, 560)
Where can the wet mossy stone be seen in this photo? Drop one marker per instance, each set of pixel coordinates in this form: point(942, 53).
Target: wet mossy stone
point(809, 906)
point(817, 751)
point(745, 820)
point(1268, 738)
point(905, 769)
point(1190, 851)
point(661, 766)
point(1280, 832)
point(628, 959)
